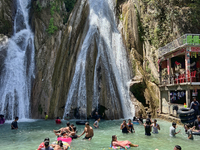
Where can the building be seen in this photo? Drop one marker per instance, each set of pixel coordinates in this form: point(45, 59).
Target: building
point(179, 71)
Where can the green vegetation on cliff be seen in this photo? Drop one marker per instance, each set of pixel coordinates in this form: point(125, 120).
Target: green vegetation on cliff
point(52, 28)
point(69, 5)
point(164, 20)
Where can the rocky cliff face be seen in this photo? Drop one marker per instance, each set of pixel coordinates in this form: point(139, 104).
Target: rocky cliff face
point(7, 12)
point(55, 57)
point(145, 26)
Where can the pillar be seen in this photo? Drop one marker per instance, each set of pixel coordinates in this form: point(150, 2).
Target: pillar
point(188, 97)
point(187, 64)
point(169, 104)
point(160, 102)
point(169, 69)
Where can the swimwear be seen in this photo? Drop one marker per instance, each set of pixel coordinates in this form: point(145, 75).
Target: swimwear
point(148, 130)
point(155, 129)
point(87, 137)
point(74, 137)
point(131, 126)
point(124, 130)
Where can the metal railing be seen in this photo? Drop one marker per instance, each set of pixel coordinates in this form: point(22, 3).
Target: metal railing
point(179, 78)
point(185, 40)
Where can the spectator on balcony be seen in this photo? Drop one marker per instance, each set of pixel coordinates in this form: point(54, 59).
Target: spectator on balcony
point(195, 105)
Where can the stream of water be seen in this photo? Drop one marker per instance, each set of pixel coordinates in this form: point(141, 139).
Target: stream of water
point(111, 57)
point(18, 71)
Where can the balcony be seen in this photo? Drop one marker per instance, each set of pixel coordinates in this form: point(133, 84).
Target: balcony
point(183, 41)
point(191, 77)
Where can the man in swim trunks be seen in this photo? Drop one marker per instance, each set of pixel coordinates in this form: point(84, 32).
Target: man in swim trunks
point(88, 131)
point(124, 127)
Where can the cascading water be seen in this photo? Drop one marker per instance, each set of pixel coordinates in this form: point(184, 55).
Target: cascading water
point(18, 71)
point(111, 57)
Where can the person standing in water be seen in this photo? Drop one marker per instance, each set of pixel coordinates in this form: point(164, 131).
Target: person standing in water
point(2, 120)
point(58, 121)
point(88, 131)
point(147, 127)
point(14, 123)
point(67, 117)
point(197, 123)
point(96, 123)
point(45, 116)
point(189, 131)
point(124, 127)
point(130, 125)
point(155, 126)
point(123, 144)
point(173, 130)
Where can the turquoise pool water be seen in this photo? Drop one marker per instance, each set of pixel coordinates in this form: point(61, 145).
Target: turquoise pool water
point(30, 134)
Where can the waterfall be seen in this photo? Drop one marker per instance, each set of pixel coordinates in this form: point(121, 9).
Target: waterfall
point(111, 57)
point(18, 71)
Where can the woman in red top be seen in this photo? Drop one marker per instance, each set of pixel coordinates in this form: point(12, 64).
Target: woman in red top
point(58, 121)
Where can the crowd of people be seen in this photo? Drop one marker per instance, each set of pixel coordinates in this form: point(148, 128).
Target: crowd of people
point(70, 131)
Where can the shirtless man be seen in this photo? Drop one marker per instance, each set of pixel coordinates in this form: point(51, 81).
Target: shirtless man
point(61, 130)
point(88, 131)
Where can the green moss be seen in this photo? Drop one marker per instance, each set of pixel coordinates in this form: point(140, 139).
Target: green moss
point(51, 29)
point(38, 6)
point(140, 26)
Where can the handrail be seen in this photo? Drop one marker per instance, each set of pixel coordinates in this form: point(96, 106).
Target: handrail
point(185, 40)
